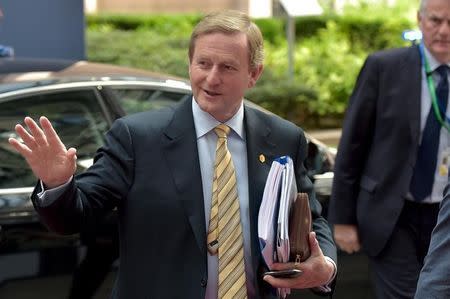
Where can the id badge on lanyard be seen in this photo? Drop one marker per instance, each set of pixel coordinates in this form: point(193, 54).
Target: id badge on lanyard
point(444, 163)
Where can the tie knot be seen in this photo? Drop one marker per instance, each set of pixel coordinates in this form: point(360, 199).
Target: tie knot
point(442, 70)
point(222, 131)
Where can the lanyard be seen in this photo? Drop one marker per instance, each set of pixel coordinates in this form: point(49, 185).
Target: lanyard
point(432, 90)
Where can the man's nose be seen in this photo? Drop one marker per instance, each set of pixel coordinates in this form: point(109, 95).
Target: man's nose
point(213, 76)
point(444, 28)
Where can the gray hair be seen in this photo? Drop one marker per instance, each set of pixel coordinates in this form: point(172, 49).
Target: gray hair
point(422, 6)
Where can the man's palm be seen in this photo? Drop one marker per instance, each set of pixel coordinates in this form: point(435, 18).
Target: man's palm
point(44, 152)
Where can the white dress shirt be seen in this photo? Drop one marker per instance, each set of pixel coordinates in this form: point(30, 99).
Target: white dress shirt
point(206, 142)
point(444, 138)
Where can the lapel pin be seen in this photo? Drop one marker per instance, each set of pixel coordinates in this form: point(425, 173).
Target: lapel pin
point(262, 159)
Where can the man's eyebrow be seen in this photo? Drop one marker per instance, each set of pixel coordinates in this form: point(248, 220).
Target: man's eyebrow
point(230, 62)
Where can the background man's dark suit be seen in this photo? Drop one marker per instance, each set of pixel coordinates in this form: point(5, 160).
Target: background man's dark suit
point(375, 162)
point(371, 183)
point(149, 169)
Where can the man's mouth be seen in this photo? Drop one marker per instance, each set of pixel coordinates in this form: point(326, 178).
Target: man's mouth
point(211, 93)
point(442, 42)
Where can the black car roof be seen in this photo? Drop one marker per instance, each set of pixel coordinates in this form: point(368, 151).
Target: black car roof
point(14, 70)
point(19, 73)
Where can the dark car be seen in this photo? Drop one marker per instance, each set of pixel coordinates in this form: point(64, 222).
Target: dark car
point(82, 99)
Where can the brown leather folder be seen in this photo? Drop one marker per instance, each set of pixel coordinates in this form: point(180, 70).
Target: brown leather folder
point(299, 228)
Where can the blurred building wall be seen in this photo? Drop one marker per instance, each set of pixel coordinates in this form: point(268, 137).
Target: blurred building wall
point(43, 28)
point(255, 8)
point(170, 6)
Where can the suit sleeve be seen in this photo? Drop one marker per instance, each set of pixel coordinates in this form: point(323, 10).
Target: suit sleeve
point(354, 145)
point(320, 225)
point(95, 191)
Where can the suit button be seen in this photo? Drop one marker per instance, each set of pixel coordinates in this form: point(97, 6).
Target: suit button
point(203, 282)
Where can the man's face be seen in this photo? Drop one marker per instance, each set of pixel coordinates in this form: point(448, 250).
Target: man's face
point(434, 22)
point(220, 73)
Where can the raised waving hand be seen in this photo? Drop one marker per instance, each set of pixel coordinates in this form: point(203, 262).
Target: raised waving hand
point(44, 152)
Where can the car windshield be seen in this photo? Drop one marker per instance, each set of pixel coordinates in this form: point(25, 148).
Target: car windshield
point(134, 100)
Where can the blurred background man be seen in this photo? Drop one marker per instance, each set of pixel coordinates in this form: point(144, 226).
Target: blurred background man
point(391, 166)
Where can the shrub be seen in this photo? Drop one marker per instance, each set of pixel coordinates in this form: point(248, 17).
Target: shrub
point(329, 52)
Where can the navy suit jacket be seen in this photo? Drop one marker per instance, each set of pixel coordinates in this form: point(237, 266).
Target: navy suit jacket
point(149, 169)
point(378, 147)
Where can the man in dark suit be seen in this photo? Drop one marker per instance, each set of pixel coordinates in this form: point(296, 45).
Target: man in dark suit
point(391, 166)
point(433, 280)
point(157, 168)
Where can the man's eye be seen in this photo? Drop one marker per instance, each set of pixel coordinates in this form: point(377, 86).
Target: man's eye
point(435, 20)
point(202, 63)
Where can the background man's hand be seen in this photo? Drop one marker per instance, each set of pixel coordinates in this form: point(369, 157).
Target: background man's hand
point(44, 152)
point(317, 270)
point(346, 237)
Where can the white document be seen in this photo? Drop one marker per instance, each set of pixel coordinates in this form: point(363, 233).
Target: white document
point(267, 218)
point(280, 192)
point(287, 198)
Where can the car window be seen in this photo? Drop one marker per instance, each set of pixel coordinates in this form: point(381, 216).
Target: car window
point(76, 116)
point(135, 100)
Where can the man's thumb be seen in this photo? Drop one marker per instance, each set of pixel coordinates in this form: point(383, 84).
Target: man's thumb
point(314, 245)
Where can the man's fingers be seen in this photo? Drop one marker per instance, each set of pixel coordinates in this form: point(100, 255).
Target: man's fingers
point(20, 147)
point(26, 137)
point(346, 237)
point(280, 282)
point(36, 132)
point(72, 154)
point(49, 131)
point(349, 246)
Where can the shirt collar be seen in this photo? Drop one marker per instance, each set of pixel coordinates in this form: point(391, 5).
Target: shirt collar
point(205, 122)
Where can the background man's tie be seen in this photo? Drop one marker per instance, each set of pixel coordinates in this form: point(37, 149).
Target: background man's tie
point(425, 168)
point(225, 231)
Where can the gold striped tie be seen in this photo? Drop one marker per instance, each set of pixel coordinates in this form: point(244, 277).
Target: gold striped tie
point(225, 231)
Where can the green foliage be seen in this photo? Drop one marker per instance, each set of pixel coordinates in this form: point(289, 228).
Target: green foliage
point(143, 49)
point(401, 9)
point(326, 61)
point(285, 97)
point(309, 26)
point(329, 52)
point(271, 29)
point(174, 25)
point(375, 33)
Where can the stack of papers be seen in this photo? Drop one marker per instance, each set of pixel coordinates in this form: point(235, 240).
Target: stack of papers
point(280, 193)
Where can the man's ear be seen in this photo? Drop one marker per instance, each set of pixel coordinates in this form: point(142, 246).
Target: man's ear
point(419, 18)
point(254, 74)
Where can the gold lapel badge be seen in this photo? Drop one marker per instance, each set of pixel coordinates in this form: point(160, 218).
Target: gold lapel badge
point(262, 159)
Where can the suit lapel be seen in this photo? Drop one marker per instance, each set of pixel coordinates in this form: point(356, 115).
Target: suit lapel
point(258, 145)
point(412, 91)
point(180, 149)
